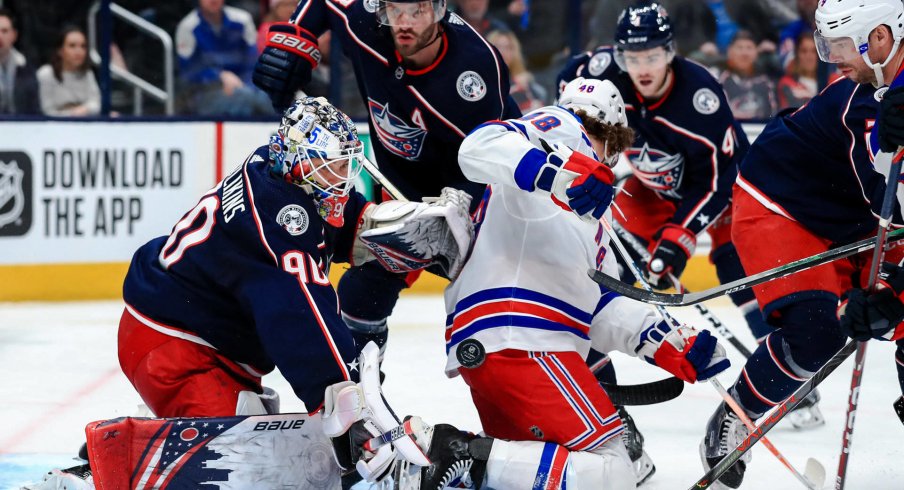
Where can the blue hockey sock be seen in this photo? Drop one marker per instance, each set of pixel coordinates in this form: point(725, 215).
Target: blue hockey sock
point(808, 336)
point(601, 366)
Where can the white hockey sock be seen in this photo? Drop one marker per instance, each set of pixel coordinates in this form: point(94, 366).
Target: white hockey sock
point(534, 464)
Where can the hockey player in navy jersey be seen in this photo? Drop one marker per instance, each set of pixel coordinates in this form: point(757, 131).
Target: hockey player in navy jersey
point(685, 155)
point(240, 286)
point(523, 313)
point(427, 79)
point(807, 184)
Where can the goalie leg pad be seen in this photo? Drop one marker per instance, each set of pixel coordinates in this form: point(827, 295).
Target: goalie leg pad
point(269, 451)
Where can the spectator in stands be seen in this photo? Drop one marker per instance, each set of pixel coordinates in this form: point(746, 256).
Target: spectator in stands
point(799, 84)
point(67, 83)
point(806, 9)
point(18, 85)
point(750, 93)
point(217, 50)
point(528, 94)
point(474, 12)
point(280, 11)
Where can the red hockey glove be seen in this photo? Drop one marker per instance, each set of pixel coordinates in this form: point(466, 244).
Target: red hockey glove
point(674, 246)
point(686, 353)
point(576, 182)
point(879, 315)
point(286, 63)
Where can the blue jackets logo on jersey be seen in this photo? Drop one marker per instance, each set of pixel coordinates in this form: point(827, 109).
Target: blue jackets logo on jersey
point(396, 136)
point(471, 86)
point(657, 170)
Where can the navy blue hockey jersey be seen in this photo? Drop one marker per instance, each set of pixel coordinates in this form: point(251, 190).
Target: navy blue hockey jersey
point(688, 144)
point(420, 117)
point(246, 272)
point(815, 164)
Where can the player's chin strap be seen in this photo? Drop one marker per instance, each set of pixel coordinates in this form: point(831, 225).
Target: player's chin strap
point(354, 413)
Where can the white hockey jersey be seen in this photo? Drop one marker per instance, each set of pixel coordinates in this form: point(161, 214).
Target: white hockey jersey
point(525, 285)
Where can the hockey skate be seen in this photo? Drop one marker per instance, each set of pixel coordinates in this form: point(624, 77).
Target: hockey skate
point(807, 415)
point(458, 460)
point(724, 432)
point(899, 408)
point(75, 478)
point(633, 439)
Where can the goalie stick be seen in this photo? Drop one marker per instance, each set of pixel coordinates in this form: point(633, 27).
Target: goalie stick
point(688, 299)
point(717, 324)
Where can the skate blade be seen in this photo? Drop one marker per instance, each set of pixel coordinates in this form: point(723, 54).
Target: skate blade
point(643, 468)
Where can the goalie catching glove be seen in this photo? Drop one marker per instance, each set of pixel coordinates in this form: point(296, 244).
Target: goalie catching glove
point(408, 236)
point(878, 315)
point(686, 353)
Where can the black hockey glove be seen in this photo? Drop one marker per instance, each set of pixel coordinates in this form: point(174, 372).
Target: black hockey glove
point(864, 315)
point(286, 64)
point(674, 246)
point(891, 120)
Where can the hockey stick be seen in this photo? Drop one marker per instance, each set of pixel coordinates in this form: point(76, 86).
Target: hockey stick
point(714, 381)
point(814, 472)
point(688, 299)
point(717, 324)
point(774, 417)
point(885, 217)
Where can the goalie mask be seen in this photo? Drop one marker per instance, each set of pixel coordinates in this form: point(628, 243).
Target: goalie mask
point(317, 146)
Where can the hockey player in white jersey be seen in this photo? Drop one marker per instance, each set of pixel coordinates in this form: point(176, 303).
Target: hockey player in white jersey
point(523, 313)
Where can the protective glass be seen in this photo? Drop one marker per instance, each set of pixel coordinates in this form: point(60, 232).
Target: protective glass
point(406, 14)
point(838, 49)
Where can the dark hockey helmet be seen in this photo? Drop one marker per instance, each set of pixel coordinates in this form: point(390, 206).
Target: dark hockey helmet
point(387, 13)
point(642, 26)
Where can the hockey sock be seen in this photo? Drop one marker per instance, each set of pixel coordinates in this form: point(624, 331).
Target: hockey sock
point(728, 268)
point(601, 366)
point(808, 337)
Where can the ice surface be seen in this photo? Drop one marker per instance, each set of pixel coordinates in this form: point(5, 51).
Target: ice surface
point(59, 371)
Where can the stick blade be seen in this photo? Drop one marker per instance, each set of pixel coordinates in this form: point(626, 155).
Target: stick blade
point(646, 393)
point(815, 472)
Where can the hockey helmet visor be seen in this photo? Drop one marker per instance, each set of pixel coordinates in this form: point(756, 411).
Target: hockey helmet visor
point(404, 13)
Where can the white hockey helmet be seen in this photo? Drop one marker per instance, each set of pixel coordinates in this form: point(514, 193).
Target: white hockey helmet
point(843, 28)
point(598, 98)
point(317, 145)
point(389, 12)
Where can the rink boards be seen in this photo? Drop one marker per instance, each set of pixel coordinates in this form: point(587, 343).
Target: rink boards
point(78, 198)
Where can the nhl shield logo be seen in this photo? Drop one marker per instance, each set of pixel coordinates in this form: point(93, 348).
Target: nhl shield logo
point(294, 219)
point(471, 86)
point(15, 193)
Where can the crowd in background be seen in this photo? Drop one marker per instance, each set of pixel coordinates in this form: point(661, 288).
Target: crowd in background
point(761, 50)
